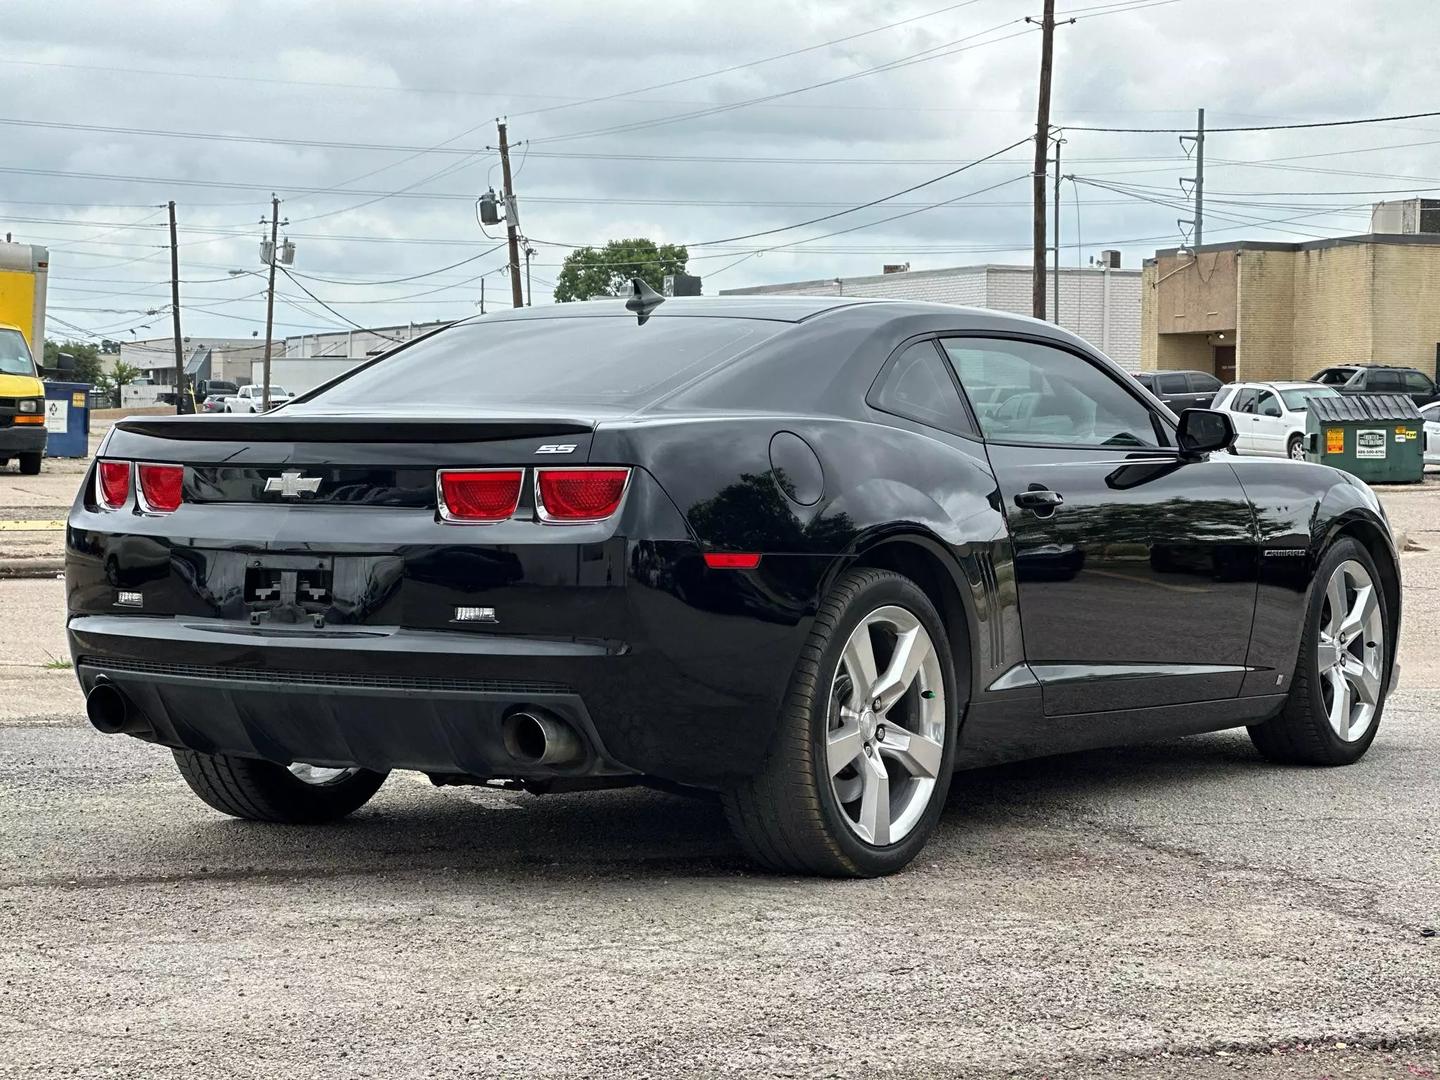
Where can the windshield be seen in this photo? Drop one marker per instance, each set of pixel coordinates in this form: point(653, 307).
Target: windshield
point(1296, 400)
point(575, 361)
point(14, 354)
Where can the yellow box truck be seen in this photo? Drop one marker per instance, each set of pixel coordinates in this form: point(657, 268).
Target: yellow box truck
point(23, 272)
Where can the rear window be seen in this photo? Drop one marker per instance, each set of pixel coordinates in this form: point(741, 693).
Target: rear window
point(14, 354)
point(601, 360)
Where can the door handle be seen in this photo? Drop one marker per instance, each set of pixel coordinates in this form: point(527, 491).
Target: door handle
point(1042, 501)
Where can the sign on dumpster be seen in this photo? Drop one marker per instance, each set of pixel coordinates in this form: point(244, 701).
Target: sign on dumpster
point(1370, 443)
point(57, 416)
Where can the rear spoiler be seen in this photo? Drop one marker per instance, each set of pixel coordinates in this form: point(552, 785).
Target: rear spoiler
point(356, 429)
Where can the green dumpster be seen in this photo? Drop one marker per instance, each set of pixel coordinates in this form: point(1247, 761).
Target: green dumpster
point(1378, 437)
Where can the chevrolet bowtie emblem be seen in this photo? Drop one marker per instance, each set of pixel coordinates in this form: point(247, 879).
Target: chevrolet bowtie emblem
point(292, 485)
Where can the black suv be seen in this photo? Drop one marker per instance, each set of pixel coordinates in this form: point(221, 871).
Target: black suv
point(1379, 379)
point(1181, 389)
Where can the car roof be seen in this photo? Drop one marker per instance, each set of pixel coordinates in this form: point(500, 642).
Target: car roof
point(792, 309)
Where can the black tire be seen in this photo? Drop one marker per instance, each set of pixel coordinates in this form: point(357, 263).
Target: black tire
point(30, 464)
point(1301, 734)
point(1296, 441)
point(786, 817)
point(263, 791)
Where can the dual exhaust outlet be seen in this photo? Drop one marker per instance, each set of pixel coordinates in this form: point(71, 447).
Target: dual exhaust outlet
point(532, 737)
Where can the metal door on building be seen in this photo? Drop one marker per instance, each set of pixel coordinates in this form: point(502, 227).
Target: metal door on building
point(1225, 363)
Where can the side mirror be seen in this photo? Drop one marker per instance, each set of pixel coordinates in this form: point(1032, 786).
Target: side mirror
point(1204, 431)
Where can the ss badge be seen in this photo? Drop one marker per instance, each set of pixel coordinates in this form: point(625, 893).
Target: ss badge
point(557, 448)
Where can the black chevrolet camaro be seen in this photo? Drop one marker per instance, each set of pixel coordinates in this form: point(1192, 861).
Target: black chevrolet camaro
point(813, 554)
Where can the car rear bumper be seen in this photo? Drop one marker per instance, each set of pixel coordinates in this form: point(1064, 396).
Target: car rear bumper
point(691, 696)
point(22, 439)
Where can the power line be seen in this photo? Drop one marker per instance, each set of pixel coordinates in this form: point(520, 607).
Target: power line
point(932, 53)
point(867, 205)
point(1260, 127)
point(301, 286)
point(748, 64)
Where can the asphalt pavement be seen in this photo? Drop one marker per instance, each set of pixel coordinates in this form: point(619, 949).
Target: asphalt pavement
point(1179, 909)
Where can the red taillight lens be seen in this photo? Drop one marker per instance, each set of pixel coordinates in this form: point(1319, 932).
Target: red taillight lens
point(161, 487)
point(479, 494)
point(576, 495)
point(731, 560)
point(114, 484)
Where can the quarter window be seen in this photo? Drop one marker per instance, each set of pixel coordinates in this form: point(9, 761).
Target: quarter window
point(918, 387)
point(1026, 392)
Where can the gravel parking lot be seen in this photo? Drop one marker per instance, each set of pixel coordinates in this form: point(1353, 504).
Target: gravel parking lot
point(1178, 909)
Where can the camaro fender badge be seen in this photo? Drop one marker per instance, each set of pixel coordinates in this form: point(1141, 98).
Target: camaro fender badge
point(557, 448)
point(1289, 553)
point(291, 485)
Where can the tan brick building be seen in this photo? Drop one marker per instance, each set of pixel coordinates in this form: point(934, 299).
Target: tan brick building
point(1259, 310)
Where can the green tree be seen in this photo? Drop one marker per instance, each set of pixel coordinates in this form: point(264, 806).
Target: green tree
point(606, 271)
point(89, 367)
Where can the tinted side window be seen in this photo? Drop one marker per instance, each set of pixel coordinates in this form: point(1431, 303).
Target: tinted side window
point(1245, 400)
point(918, 387)
point(1201, 383)
point(1173, 384)
point(1269, 404)
point(1384, 380)
point(1026, 392)
point(1416, 383)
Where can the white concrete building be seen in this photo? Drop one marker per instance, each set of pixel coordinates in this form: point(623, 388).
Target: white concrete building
point(356, 344)
point(229, 357)
point(1100, 304)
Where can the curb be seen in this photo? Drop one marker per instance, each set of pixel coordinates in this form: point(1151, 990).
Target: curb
point(31, 568)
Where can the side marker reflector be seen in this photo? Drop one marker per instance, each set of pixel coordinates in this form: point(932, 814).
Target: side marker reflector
point(731, 560)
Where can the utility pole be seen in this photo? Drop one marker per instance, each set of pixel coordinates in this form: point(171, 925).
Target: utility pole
point(175, 316)
point(511, 225)
point(528, 252)
point(270, 296)
point(482, 296)
point(1059, 141)
point(1042, 138)
point(1197, 181)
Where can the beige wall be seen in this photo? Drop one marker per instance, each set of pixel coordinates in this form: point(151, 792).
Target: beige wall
point(1406, 312)
point(1294, 312)
point(1334, 316)
point(1265, 315)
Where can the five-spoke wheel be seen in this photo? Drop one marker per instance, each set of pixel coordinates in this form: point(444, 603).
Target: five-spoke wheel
point(1337, 692)
point(886, 738)
point(857, 776)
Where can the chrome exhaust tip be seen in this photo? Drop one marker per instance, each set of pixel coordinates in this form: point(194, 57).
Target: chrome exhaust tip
point(108, 709)
point(533, 737)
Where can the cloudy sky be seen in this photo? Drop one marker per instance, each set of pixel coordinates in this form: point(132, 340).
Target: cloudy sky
point(374, 123)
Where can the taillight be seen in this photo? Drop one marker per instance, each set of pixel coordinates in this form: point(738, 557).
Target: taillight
point(114, 486)
point(161, 487)
point(479, 495)
point(575, 496)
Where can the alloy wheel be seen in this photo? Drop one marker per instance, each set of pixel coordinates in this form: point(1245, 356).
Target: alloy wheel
point(1297, 450)
point(1350, 650)
point(319, 775)
point(886, 737)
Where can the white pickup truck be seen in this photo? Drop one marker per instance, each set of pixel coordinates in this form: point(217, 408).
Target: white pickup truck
point(250, 397)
